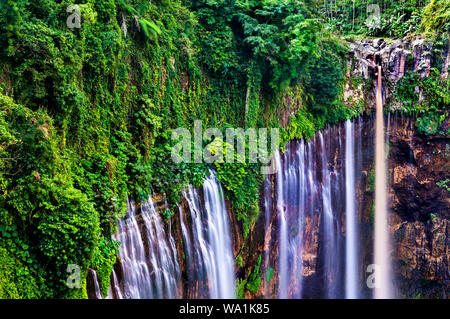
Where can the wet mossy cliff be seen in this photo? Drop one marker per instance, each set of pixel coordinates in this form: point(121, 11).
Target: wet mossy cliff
point(86, 120)
point(418, 155)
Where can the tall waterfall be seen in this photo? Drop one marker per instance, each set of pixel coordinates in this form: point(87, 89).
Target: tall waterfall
point(284, 244)
point(150, 270)
point(291, 192)
point(311, 217)
point(382, 250)
point(208, 246)
point(331, 225)
point(313, 220)
point(98, 294)
point(351, 240)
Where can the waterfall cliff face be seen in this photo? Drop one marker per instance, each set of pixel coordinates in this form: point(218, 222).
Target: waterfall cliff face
point(148, 256)
point(308, 223)
point(416, 219)
point(420, 209)
point(319, 232)
point(396, 58)
point(197, 263)
point(315, 232)
point(207, 243)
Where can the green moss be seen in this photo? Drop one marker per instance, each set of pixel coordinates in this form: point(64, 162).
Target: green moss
point(436, 16)
point(372, 212)
point(240, 288)
point(105, 256)
point(269, 274)
point(372, 180)
point(15, 279)
point(443, 184)
point(430, 111)
point(254, 280)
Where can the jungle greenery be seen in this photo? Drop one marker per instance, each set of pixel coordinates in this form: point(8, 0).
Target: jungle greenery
point(86, 114)
point(387, 18)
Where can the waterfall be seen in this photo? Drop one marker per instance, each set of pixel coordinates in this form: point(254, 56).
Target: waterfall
point(209, 255)
point(114, 288)
point(149, 257)
point(150, 270)
point(382, 251)
point(312, 226)
point(267, 233)
point(328, 221)
point(283, 249)
point(351, 263)
point(312, 229)
point(98, 294)
point(136, 273)
point(292, 191)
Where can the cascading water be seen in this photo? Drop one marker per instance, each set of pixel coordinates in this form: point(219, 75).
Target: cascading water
point(98, 294)
point(351, 240)
point(114, 288)
point(311, 205)
point(312, 226)
point(291, 193)
point(330, 226)
point(150, 270)
point(267, 227)
point(383, 277)
point(162, 255)
point(284, 245)
point(136, 273)
point(149, 259)
point(208, 246)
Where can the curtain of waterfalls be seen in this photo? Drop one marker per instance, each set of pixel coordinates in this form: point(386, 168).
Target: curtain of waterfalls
point(312, 204)
point(317, 182)
point(150, 270)
point(294, 188)
point(209, 255)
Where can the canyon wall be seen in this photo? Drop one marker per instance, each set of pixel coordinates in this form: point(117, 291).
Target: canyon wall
point(418, 196)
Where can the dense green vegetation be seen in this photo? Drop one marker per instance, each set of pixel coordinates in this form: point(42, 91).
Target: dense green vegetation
point(387, 18)
point(432, 110)
point(86, 114)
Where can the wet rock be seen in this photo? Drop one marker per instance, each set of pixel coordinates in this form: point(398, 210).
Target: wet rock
point(420, 211)
point(396, 59)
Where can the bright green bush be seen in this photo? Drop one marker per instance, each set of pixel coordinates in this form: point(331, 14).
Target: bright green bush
point(15, 279)
point(431, 109)
point(254, 280)
point(436, 17)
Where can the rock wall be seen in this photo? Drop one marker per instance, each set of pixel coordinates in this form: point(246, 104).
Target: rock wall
point(419, 208)
point(419, 213)
point(413, 54)
point(419, 220)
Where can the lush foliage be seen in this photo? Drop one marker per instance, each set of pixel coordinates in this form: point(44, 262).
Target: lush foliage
point(387, 18)
point(431, 109)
